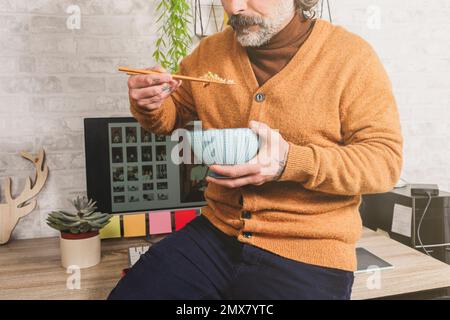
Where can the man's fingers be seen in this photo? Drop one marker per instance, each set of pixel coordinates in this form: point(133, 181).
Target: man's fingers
point(237, 183)
point(261, 129)
point(150, 103)
point(150, 92)
point(239, 170)
point(175, 84)
point(146, 80)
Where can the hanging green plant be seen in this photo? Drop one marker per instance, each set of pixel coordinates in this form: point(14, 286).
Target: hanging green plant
point(174, 36)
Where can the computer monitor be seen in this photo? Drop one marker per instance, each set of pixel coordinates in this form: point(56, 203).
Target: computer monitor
point(129, 169)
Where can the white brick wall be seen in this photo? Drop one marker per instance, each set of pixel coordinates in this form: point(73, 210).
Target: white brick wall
point(414, 45)
point(52, 77)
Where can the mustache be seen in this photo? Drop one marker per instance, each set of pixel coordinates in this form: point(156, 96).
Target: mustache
point(238, 20)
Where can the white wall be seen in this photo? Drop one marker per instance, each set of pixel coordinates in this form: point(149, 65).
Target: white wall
point(414, 45)
point(52, 77)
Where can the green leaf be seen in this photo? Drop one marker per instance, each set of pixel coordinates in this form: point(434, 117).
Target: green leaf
point(56, 226)
point(174, 38)
point(62, 217)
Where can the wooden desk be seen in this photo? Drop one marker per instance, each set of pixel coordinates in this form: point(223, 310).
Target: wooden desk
point(413, 271)
point(30, 269)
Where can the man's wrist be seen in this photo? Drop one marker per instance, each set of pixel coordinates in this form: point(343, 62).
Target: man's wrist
point(282, 163)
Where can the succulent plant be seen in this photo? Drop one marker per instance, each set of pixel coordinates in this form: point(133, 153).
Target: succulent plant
point(85, 219)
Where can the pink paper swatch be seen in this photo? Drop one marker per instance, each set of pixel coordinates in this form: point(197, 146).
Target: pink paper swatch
point(160, 222)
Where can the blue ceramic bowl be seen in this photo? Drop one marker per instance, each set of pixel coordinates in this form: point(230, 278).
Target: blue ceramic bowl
point(224, 146)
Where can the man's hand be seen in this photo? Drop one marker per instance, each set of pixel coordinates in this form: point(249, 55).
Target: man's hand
point(268, 165)
point(150, 91)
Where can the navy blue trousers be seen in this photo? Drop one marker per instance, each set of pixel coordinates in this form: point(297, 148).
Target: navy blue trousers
point(201, 262)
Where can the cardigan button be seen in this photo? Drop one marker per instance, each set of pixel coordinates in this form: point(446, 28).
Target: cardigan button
point(247, 234)
point(246, 214)
point(260, 97)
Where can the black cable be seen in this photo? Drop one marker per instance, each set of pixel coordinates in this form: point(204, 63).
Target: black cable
point(420, 223)
point(321, 9)
point(329, 11)
point(195, 17)
point(199, 8)
point(328, 8)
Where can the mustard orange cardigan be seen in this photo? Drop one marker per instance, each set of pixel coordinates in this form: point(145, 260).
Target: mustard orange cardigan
point(334, 104)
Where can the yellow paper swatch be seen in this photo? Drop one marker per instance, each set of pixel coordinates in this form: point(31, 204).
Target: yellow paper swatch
point(134, 225)
point(112, 229)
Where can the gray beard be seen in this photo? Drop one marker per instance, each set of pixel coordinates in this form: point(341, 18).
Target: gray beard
point(268, 27)
point(256, 38)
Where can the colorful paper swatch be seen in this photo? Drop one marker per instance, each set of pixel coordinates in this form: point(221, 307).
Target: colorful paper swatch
point(160, 222)
point(112, 229)
point(183, 217)
point(134, 225)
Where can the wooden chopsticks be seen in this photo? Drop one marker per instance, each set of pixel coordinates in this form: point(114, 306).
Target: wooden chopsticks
point(131, 71)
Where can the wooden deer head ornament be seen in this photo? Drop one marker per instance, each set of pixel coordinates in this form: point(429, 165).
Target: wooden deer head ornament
point(16, 208)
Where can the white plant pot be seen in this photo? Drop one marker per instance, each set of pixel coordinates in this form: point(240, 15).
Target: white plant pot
point(83, 253)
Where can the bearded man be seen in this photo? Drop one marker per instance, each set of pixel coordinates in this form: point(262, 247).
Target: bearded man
point(286, 226)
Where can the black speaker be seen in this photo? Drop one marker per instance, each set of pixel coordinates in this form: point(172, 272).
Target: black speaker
point(377, 213)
